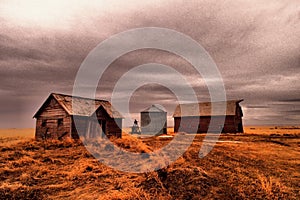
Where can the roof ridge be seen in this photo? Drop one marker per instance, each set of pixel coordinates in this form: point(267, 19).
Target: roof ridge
point(234, 100)
point(153, 105)
point(67, 95)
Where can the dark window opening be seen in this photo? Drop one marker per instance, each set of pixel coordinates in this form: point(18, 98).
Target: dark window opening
point(60, 122)
point(44, 123)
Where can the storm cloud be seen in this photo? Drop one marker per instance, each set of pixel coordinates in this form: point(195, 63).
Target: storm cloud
point(255, 44)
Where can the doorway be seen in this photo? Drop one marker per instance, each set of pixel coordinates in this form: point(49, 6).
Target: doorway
point(240, 128)
point(102, 124)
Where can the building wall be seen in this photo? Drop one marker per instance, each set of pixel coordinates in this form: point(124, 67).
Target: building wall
point(80, 128)
point(201, 124)
point(53, 122)
point(154, 122)
point(111, 126)
point(230, 125)
point(238, 119)
point(96, 127)
point(114, 128)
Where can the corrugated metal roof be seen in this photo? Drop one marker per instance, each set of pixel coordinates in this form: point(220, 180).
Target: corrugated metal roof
point(153, 108)
point(205, 108)
point(81, 106)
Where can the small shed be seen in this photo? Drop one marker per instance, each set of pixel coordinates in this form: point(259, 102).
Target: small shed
point(199, 118)
point(154, 120)
point(94, 118)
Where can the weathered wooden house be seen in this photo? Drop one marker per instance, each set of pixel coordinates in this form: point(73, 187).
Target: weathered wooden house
point(154, 120)
point(198, 119)
point(57, 116)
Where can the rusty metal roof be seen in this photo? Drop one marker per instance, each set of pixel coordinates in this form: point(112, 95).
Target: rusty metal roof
point(205, 108)
point(81, 106)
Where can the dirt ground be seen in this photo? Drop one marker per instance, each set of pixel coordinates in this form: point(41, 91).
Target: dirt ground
point(263, 163)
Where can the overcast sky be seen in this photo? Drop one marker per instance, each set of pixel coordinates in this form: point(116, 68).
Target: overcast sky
point(255, 44)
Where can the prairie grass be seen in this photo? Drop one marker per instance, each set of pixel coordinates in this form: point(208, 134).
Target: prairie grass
point(261, 166)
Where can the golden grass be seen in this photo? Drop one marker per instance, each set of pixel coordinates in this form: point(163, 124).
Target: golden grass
point(12, 136)
point(13, 132)
point(268, 130)
point(132, 143)
point(270, 185)
point(262, 166)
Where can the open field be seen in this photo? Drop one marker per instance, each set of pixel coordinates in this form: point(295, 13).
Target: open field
point(13, 135)
point(263, 163)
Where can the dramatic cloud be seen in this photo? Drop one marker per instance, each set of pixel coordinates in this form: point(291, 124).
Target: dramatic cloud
point(255, 44)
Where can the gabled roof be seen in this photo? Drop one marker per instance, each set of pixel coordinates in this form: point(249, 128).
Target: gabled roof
point(153, 108)
point(81, 106)
point(205, 108)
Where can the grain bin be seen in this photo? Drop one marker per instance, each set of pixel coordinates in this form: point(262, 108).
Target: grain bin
point(154, 120)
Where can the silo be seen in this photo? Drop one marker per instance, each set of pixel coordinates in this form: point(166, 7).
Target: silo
point(154, 120)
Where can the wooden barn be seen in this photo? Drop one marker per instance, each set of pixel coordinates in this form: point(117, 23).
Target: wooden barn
point(154, 120)
point(198, 120)
point(55, 118)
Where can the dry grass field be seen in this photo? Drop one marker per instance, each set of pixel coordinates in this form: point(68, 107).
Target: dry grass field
point(263, 163)
point(11, 136)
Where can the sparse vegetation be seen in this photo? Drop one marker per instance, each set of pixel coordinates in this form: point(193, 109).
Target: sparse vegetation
point(261, 166)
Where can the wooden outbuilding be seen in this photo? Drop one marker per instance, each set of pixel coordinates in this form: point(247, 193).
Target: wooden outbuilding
point(198, 119)
point(57, 116)
point(154, 120)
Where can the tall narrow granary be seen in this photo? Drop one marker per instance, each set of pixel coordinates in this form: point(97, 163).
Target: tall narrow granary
point(154, 120)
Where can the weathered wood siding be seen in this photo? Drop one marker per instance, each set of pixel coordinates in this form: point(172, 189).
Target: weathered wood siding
point(53, 122)
point(95, 129)
point(238, 119)
point(114, 128)
point(109, 126)
point(201, 124)
point(87, 127)
point(80, 128)
point(154, 122)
